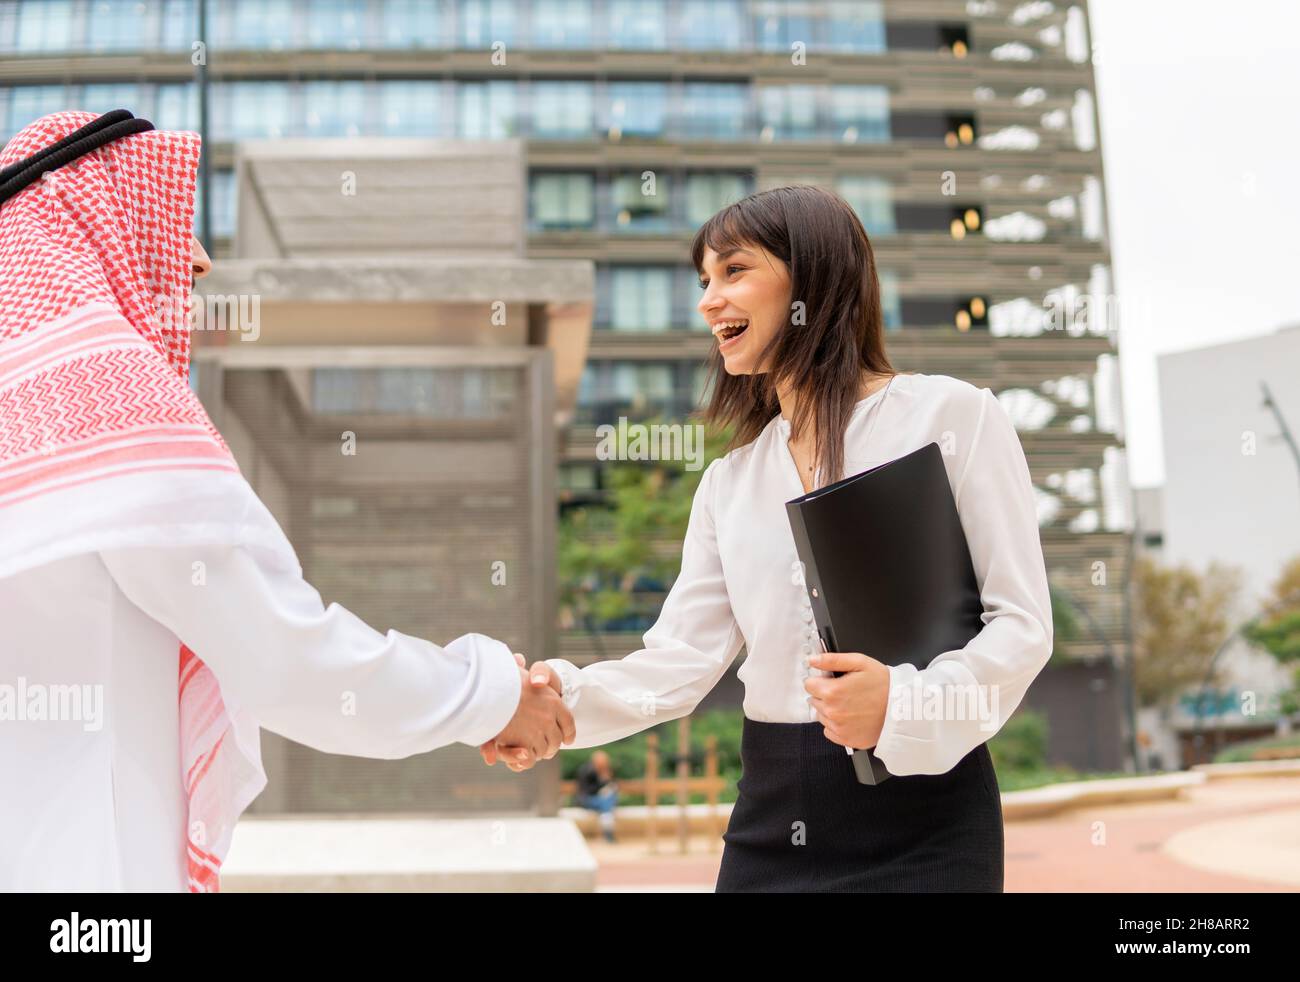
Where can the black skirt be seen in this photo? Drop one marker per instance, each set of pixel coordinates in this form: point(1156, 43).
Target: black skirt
point(803, 823)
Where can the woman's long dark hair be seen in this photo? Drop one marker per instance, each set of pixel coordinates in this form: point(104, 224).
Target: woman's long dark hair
point(825, 346)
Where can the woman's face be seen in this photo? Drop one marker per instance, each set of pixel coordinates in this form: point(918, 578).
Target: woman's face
point(746, 301)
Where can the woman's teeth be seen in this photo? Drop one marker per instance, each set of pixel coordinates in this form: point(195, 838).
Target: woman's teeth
point(731, 329)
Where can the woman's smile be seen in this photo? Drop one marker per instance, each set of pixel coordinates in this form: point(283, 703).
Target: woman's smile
point(729, 331)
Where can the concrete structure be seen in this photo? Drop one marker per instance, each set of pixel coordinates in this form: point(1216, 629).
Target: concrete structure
point(398, 854)
point(395, 400)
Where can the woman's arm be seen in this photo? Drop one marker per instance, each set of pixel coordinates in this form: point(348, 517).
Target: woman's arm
point(317, 675)
point(999, 514)
point(687, 651)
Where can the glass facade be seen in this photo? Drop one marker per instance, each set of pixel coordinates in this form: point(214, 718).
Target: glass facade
point(460, 393)
point(557, 109)
point(42, 26)
point(486, 111)
point(636, 109)
point(562, 110)
point(640, 298)
point(636, 390)
point(411, 108)
point(872, 199)
point(562, 23)
point(562, 201)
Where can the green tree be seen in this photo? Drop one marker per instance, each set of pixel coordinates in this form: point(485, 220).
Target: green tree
point(1181, 618)
point(1277, 630)
point(636, 533)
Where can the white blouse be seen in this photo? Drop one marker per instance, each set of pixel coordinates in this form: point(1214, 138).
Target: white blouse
point(740, 585)
point(101, 806)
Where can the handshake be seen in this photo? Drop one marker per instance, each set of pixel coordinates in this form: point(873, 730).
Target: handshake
point(541, 724)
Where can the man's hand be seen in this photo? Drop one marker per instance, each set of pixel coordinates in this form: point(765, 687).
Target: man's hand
point(518, 753)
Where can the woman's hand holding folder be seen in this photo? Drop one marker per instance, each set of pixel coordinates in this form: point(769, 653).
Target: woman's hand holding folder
point(851, 706)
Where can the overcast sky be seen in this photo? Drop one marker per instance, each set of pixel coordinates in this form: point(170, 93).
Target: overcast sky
point(1200, 130)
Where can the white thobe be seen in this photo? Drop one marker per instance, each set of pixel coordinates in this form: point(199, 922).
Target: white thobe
point(96, 802)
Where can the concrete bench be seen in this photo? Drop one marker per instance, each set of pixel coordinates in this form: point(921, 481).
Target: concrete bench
point(393, 854)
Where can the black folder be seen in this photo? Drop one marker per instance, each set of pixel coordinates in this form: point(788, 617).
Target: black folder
point(887, 568)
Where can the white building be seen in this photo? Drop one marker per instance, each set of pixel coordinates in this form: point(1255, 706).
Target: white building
point(1231, 495)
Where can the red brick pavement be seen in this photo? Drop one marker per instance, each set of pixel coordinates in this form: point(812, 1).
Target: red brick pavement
point(1055, 854)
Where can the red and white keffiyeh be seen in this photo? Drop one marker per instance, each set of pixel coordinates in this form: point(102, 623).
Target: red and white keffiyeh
point(102, 442)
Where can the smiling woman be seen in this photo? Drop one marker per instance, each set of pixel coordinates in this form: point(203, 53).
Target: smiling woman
point(791, 294)
point(795, 305)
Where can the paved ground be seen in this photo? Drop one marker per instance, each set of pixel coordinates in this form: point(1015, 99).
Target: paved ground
point(1225, 836)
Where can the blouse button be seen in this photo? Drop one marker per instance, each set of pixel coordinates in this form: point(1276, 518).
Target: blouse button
point(807, 648)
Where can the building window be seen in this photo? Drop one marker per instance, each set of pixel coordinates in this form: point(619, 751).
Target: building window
point(715, 110)
point(640, 205)
point(223, 205)
point(640, 298)
point(873, 200)
point(949, 39)
point(637, 24)
point(255, 24)
point(410, 108)
point(636, 389)
point(563, 200)
point(856, 26)
point(483, 23)
point(487, 110)
point(636, 109)
point(642, 388)
point(578, 477)
point(860, 113)
point(333, 108)
point(105, 98)
point(788, 112)
point(177, 106)
point(701, 389)
point(28, 103)
point(561, 23)
point(891, 301)
point(780, 25)
point(411, 24)
point(707, 194)
point(710, 25)
point(179, 25)
point(339, 24)
point(44, 25)
point(120, 25)
point(437, 393)
point(250, 110)
point(562, 109)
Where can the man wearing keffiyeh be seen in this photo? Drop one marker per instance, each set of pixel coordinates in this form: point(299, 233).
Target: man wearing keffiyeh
point(114, 488)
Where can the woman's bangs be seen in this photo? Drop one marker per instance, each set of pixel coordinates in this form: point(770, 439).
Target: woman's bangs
point(725, 230)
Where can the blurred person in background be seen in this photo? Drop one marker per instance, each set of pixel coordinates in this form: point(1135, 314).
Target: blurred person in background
point(598, 791)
